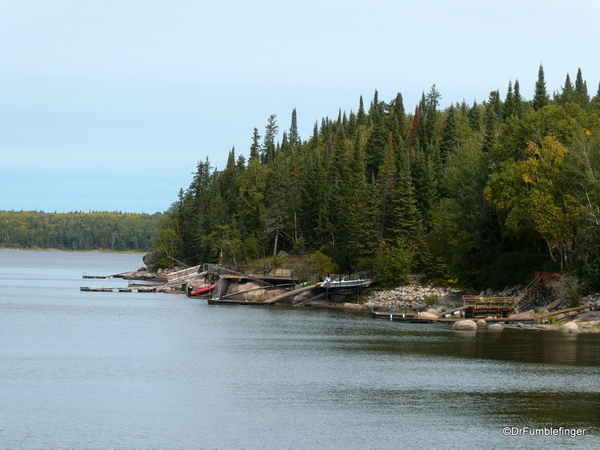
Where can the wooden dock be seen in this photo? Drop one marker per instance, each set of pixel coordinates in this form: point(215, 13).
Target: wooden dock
point(395, 317)
point(220, 301)
point(118, 289)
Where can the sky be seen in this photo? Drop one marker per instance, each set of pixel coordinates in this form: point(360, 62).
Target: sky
point(109, 105)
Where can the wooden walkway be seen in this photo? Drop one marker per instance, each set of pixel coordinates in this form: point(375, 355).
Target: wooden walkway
point(289, 293)
point(568, 311)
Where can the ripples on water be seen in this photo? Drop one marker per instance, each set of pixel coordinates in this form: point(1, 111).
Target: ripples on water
point(92, 370)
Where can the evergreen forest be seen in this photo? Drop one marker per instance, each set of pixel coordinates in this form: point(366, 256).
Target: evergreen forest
point(78, 231)
point(480, 194)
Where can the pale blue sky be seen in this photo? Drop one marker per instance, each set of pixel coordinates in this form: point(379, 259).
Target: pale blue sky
point(108, 105)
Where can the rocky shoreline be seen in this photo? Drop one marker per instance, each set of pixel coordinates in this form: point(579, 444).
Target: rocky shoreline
point(430, 302)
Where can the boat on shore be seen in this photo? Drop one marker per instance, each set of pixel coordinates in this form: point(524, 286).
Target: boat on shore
point(202, 290)
point(357, 280)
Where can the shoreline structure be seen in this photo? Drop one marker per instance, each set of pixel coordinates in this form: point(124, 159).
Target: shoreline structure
point(412, 302)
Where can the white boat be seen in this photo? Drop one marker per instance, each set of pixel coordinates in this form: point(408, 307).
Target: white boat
point(344, 281)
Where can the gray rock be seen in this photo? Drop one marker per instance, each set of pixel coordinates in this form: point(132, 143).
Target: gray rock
point(524, 315)
point(464, 325)
point(569, 327)
point(448, 301)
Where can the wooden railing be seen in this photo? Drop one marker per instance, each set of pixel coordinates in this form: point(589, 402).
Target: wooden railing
point(182, 273)
point(483, 302)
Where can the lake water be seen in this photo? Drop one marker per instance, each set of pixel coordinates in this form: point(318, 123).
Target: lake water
point(110, 370)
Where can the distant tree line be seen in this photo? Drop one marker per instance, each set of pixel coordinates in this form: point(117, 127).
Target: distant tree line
point(481, 194)
point(78, 231)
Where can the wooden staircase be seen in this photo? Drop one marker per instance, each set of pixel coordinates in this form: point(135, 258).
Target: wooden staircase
point(527, 296)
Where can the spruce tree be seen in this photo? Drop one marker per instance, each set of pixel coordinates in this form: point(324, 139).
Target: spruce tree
point(268, 147)
point(294, 137)
point(405, 211)
point(509, 102)
point(361, 116)
point(475, 117)
point(386, 183)
point(255, 147)
point(581, 90)
point(518, 100)
point(540, 98)
point(568, 92)
point(492, 120)
point(400, 115)
point(449, 142)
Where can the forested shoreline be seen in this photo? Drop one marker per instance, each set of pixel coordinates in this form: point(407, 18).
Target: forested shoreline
point(480, 194)
point(113, 231)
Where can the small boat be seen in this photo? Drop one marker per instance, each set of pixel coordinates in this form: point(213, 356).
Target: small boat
point(202, 290)
point(344, 282)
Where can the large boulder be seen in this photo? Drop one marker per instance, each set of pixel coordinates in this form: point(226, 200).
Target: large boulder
point(426, 316)
point(464, 325)
point(569, 327)
point(496, 327)
point(481, 323)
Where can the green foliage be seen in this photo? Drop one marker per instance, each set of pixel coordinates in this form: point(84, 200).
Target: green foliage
point(484, 194)
point(79, 231)
point(431, 300)
point(570, 291)
point(392, 265)
point(319, 263)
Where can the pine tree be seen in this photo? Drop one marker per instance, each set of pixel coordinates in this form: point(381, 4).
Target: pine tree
point(540, 98)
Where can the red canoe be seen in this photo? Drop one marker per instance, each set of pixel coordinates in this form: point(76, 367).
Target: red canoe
point(203, 290)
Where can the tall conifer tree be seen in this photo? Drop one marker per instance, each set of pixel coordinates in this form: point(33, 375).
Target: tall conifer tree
point(540, 98)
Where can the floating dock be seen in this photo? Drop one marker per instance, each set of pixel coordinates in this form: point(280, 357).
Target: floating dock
point(118, 289)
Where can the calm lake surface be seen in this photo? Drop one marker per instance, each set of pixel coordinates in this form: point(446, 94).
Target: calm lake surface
point(110, 370)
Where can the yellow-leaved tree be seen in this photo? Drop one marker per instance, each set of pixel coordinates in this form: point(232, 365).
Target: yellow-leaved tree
point(528, 192)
